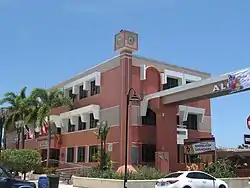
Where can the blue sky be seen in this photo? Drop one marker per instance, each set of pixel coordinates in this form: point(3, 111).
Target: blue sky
point(44, 42)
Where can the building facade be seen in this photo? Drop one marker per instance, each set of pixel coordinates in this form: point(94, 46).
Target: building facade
point(100, 95)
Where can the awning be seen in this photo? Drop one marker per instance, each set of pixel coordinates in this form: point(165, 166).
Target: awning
point(185, 110)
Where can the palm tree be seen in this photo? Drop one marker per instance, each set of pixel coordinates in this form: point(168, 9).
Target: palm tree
point(46, 100)
point(16, 112)
point(102, 134)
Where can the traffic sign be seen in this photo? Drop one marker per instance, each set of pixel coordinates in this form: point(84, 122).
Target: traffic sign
point(248, 122)
point(246, 138)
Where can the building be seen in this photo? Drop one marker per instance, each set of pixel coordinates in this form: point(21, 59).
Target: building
point(100, 95)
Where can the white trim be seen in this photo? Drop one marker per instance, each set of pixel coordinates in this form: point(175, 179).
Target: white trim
point(85, 149)
point(143, 72)
point(164, 93)
point(185, 110)
point(56, 119)
point(192, 78)
point(87, 129)
point(181, 138)
point(84, 81)
point(95, 109)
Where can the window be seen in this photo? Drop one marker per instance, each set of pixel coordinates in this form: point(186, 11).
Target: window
point(81, 154)
point(93, 122)
point(191, 122)
point(148, 152)
point(58, 130)
point(173, 175)
point(71, 127)
point(82, 93)
point(178, 120)
point(171, 82)
point(93, 150)
point(81, 125)
point(93, 88)
point(199, 175)
point(181, 132)
point(70, 93)
point(150, 118)
point(70, 155)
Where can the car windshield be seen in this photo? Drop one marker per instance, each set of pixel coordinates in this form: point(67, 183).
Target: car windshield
point(173, 175)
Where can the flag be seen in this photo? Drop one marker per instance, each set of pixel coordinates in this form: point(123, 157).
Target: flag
point(44, 129)
point(29, 133)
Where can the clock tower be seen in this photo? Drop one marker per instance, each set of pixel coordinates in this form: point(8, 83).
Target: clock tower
point(126, 42)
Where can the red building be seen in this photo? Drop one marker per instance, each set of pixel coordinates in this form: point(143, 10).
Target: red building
point(100, 95)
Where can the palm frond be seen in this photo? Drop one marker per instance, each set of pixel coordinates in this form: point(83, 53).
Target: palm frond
point(42, 113)
point(9, 97)
point(23, 92)
point(39, 93)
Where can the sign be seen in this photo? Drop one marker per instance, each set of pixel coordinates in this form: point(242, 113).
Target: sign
point(200, 147)
point(247, 139)
point(220, 87)
point(239, 81)
point(248, 122)
point(43, 144)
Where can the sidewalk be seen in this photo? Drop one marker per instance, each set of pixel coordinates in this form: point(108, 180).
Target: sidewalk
point(61, 185)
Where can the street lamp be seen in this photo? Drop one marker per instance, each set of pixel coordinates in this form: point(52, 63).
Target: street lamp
point(134, 99)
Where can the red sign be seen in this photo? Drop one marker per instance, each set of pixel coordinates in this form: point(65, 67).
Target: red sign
point(248, 122)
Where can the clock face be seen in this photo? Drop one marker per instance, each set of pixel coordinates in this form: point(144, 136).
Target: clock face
point(131, 40)
point(119, 41)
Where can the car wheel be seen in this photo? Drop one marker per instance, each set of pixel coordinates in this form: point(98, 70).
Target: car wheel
point(187, 186)
point(222, 186)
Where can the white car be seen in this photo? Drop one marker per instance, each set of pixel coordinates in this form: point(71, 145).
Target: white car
point(190, 179)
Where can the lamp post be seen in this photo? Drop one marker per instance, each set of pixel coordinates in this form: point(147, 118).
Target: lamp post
point(133, 98)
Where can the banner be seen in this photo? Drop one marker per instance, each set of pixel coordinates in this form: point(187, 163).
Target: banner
point(200, 147)
point(239, 81)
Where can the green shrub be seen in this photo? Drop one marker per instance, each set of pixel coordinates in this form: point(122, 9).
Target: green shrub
point(22, 160)
point(222, 168)
point(143, 172)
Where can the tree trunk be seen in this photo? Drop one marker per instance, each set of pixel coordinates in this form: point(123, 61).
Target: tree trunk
point(101, 157)
point(18, 139)
point(23, 139)
point(49, 143)
point(1, 133)
point(4, 139)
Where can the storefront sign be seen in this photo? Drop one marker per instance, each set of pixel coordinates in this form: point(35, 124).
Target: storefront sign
point(220, 87)
point(200, 147)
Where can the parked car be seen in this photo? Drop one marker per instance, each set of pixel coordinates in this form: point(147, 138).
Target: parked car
point(7, 180)
point(190, 179)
